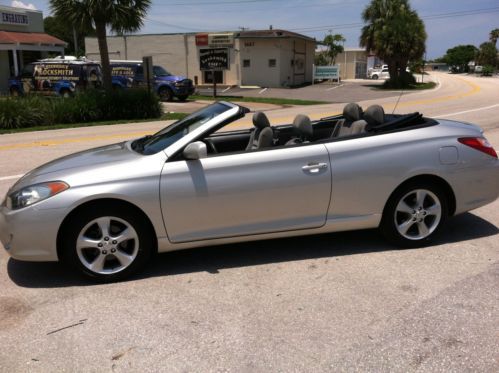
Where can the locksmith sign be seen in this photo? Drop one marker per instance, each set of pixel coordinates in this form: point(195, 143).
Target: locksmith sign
point(214, 59)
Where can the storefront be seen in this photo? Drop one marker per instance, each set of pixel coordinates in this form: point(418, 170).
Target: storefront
point(23, 40)
point(264, 58)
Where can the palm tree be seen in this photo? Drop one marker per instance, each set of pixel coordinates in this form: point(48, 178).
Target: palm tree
point(119, 15)
point(494, 35)
point(395, 33)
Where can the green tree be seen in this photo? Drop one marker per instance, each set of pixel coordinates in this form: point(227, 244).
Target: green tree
point(396, 34)
point(460, 56)
point(321, 59)
point(494, 35)
point(487, 55)
point(334, 44)
point(119, 15)
point(64, 30)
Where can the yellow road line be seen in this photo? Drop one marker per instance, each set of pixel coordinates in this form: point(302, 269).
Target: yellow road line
point(475, 88)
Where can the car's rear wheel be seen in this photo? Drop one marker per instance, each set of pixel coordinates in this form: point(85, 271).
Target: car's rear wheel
point(375, 77)
point(414, 214)
point(165, 94)
point(107, 244)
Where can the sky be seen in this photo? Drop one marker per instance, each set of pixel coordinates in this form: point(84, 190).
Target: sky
point(448, 23)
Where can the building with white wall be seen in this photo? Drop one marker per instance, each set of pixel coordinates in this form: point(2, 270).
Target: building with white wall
point(264, 58)
point(23, 40)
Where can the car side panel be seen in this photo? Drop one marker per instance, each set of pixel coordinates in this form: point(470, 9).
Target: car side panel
point(367, 170)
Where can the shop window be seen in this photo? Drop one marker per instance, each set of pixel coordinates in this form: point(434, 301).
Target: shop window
point(272, 62)
point(246, 63)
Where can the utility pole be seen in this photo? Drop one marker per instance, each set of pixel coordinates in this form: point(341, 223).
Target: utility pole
point(75, 41)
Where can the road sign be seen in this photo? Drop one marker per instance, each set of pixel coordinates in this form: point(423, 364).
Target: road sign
point(327, 73)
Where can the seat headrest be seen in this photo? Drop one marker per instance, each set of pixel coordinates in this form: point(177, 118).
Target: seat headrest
point(352, 112)
point(374, 115)
point(260, 120)
point(303, 126)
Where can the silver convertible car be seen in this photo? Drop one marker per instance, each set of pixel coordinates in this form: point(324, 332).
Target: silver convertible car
point(108, 210)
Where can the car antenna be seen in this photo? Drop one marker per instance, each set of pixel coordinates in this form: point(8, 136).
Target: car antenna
point(398, 100)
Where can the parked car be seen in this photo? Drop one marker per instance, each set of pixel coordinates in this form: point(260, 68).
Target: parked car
point(106, 211)
point(56, 77)
point(128, 74)
point(380, 74)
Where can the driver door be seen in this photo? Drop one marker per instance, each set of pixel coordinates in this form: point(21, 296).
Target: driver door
point(246, 194)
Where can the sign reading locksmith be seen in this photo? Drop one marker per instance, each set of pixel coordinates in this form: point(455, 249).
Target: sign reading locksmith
point(214, 59)
point(9, 18)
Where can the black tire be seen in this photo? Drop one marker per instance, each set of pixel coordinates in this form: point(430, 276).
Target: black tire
point(14, 92)
point(143, 246)
point(182, 97)
point(394, 221)
point(165, 94)
point(375, 77)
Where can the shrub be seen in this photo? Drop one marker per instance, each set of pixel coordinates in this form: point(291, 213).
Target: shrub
point(487, 70)
point(88, 106)
point(405, 80)
point(20, 113)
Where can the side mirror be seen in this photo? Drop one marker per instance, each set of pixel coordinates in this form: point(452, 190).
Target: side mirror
point(195, 150)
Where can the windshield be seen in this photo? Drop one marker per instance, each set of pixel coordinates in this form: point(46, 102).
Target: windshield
point(159, 71)
point(171, 134)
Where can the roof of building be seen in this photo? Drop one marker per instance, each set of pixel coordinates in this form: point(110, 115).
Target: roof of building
point(271, 33)
point(37, 38)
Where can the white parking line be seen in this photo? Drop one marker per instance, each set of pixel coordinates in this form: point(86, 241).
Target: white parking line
point(338, 86)
point(226, 89)
point(263, 90)
point(3, 178)
point(467, 111)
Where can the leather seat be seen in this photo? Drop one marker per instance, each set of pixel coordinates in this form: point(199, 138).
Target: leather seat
point(263, 134)
point(352, 124)
point(303, 130)
point(374, 116)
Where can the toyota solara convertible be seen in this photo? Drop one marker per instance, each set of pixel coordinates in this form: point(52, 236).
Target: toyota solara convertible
point(108, 210)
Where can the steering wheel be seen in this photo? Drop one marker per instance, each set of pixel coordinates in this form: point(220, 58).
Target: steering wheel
point(210, 145)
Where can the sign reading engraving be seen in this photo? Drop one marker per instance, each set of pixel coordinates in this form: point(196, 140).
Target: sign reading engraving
point(14, 18)
point(214, 59)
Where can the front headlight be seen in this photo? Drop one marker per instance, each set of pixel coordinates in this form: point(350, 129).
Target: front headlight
point(34, 193)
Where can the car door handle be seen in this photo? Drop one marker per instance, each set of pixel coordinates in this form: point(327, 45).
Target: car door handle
point(314, 167)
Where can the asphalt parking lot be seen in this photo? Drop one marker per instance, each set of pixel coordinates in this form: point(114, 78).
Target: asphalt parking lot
point(336, 302)
point(343, 92)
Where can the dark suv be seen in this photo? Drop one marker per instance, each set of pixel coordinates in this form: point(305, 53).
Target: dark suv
point(128, 74)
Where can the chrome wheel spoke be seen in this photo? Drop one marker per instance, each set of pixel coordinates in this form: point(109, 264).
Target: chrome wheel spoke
point(98, 264)
point(126, 235)
point(405, 226)
point(124, 258)
point(423, 229)
point(86, 243)
point(420, 197)
point(434, 210)
point(404, 207)
point(104, 224)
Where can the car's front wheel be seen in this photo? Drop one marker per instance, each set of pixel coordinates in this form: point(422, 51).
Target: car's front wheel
point(165, 94)
point(414, 214)
point(107, 244)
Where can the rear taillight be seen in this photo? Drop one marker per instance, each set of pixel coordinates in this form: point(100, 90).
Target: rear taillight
point(479, 143)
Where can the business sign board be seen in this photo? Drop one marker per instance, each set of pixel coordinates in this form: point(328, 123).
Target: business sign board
point(202, 40)
point(55, 72)
point(214, 59)
point(11, 18)
point(327, 73)
point(221, 40)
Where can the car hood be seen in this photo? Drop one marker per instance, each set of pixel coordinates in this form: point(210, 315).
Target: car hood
point(79, 161)
point(171, 78)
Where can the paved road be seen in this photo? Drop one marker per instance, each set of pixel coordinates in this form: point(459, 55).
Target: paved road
point(337, 302)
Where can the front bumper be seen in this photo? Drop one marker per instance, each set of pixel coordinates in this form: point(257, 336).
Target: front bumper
point(30, 234)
